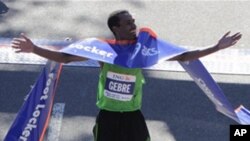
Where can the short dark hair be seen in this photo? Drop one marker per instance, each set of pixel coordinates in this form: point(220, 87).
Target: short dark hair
point(113, 19)
point(3, 8)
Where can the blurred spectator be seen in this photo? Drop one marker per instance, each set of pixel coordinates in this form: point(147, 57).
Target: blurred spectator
point(3, 8)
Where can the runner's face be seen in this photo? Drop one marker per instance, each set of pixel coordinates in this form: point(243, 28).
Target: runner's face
point(127, 28)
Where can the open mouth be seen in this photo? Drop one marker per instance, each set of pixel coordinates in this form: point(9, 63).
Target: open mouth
point(133, 31)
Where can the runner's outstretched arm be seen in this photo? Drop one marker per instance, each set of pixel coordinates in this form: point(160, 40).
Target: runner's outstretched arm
point(24, 44)
point(225, 42)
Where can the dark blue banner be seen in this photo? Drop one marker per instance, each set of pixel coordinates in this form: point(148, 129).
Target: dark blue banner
point(33, 117)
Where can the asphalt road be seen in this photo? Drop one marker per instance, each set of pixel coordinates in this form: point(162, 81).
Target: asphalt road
point(174, 107)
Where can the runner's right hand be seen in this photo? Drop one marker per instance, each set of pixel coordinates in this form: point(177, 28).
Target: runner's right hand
point(22, 44)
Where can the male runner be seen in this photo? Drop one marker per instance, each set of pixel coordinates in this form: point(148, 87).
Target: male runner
point(119, 119)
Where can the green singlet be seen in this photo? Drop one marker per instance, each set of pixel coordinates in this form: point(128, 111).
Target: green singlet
point(119, 88)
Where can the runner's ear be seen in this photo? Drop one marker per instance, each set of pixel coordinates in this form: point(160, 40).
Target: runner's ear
point(114, 29)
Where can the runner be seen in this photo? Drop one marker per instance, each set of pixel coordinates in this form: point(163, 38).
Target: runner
point(120, 89)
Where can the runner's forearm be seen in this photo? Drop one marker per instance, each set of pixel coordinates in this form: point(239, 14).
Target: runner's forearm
point(51, 55)
point(195, 54)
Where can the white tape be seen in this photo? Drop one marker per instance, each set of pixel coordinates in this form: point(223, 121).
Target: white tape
point(55, 122)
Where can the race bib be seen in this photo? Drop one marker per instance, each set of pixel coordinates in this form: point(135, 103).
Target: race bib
point(119, 86)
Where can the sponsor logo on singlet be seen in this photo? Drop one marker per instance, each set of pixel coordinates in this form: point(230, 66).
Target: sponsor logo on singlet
point(119, 86)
